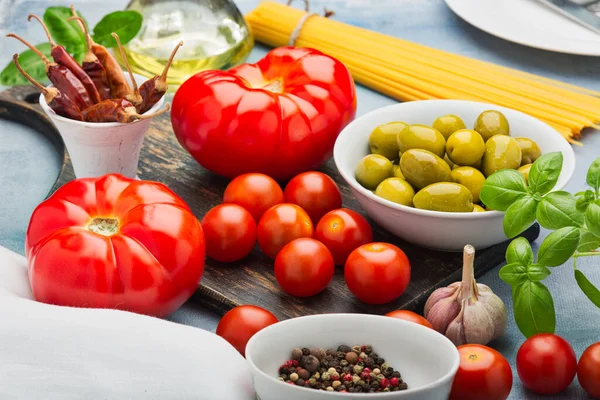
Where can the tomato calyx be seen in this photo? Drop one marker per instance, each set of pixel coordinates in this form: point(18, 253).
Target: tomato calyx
point(104, 226)
point(275, 86)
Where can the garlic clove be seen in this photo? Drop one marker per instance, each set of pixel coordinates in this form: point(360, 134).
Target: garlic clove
point(478, 323)
point(442, 313)
point(495, 308)
point(456, 330)
point(438, 295)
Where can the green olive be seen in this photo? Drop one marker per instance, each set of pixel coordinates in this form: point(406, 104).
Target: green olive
point(525, 171)
point(491, 123)
point(470, 178)
point(465, 147)
point(398, 172)
point(422, 168)
point(529, 149)
point(444, 196)
point(448, 124)
point(372, 170)
point(421, 137)
point(501, 152)
point(383, 140)
point(396, 190)
point(478, 208)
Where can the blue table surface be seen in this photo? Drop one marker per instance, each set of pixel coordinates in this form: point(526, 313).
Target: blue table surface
point(428, 22)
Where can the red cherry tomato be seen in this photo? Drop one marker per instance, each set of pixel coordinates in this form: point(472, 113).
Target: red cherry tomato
point(255, 192)
point(588, 370)
point(229, 231)
point(304, 267)
point(409, 316)
point(483, 373)
point(315, 192)
point(546, 363)
point(377, 273)
point(241, 323)
point(342, 231)
point(280, 225)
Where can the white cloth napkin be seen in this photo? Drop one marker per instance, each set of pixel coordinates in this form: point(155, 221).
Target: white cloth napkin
point(50, 352)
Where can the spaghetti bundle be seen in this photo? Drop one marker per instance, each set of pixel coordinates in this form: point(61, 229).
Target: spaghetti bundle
point(408, 71)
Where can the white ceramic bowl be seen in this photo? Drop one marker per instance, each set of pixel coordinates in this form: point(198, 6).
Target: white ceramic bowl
point(431, 229)
point(426, 359)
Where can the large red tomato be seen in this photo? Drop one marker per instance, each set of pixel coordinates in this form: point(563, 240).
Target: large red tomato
point(483, 373)
point(114, 242)
point(588, 370)
point(280, 225)
point(280, 116)
point(546, 363)
point(230, 232)
point(255, 192)
point(304, 267)
point(315, 192)
point(409, 316)
point(377, 273)
point(239, 324)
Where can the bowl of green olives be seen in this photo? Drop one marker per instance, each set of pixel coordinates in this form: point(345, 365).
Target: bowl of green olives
point(417, 168)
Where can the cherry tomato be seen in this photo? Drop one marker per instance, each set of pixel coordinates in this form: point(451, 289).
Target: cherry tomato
point(239, 324)
point(588, 370)
point(280, 225)
point(229, 231)
point(342, 231)
point(377, 273)
point(304, 267)
point(483, 373)
point(315, 192)
point(409, 316)
point(255, 192)
point(546, 363)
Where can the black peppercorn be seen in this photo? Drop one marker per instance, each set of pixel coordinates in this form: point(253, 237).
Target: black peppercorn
point(311, 363)
point(374, 356)
point(366, 387)
point(388, 372)
point(297, 354)
point(331, 352)
point(396, 374)
point(403, 386)
point(284, 370)
point(319, 353)
point(367, 349)
point(324, 364)
point(380, 361)
point(344, 349)
point(306, 351)
point(375, 385)
point(369, 362)
point(300, 382)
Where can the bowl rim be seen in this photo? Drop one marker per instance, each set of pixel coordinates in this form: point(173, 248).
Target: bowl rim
point(448, 376)
point(351, 181)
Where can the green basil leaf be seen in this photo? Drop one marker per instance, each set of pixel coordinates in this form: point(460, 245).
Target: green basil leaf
point(558, 247)
point(593, 175)
point(519, 216)
point(503, 188)
point(513, 274)
point(585, 200)
point(544, 172)
point(534, 308)
point(588, 288)
point(537, 272)
point(10, 75)
point(559, 209)
point(66, 33)
point(592, 218)
point(588, 241)
point(519, 251)
point(126, 24)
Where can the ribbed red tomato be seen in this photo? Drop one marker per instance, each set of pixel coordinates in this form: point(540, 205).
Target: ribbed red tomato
point(409, 316)
point(230, 232)
point(315, 192)
point(588, 370)
point(280, 225)
point(255, 192)
point(280, 116)
point(239, 324)
point(114, 242)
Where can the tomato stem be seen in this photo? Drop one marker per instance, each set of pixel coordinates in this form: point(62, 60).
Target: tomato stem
point(104, 226)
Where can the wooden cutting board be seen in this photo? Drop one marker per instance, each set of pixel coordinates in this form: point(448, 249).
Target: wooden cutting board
point(251, 281)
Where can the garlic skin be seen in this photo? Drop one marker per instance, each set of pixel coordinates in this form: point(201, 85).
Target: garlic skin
point(467, 312)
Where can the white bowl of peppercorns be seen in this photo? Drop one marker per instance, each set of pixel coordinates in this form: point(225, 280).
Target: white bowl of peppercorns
point(332, 356)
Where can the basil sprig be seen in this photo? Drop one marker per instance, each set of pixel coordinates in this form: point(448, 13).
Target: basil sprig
point(574, 220)
point(66, 33)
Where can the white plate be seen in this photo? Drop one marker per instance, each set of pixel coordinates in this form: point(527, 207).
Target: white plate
point(529, 23)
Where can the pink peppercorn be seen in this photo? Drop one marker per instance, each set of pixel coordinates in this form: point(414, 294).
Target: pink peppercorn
point(290, 382)
point(385, 382)
point(367, 370)
point(365, 376)
point(294, 363)
point(394, 382)
point(288, 363)
point(347, 377)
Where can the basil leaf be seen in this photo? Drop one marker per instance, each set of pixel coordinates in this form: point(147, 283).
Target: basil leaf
point(588, 288)
point(585, 200)
point(503, 188)
point(559, 209)
point(31, 63)
point(64, 32)
point(534, 308)
point(593, 175)
point(558, 247)
point(592, 218)
point(588, 241)
point(513, 273)
point(537, 272)
point(126, 24)
point(519, 251)
point(519, 216)
point(544, 172)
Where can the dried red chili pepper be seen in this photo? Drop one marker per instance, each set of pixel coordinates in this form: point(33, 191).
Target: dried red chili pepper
point(62, 57)
point(91, 65)
point(55, 99)
point(62, 78)
point(155, 88)
point(117, 110)
point(134, 97)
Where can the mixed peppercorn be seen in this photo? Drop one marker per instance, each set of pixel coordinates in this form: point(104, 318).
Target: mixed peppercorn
point(345, 369)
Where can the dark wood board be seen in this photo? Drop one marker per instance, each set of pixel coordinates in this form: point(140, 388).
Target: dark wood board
point(251, 281)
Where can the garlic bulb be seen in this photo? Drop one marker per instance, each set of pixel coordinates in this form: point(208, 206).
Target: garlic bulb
point(467, 312)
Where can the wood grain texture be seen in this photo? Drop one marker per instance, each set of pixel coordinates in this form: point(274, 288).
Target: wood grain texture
point(252, 281)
